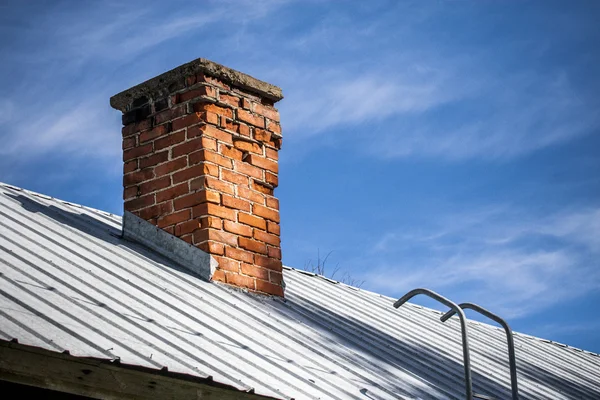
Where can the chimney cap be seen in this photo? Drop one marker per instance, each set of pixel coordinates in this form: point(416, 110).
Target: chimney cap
point(121, 100)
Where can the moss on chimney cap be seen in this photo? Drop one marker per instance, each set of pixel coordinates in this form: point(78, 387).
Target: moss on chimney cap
point(235, 78)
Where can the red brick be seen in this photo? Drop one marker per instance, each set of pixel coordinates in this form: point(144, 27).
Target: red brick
point(137, 177)
point(211, 222)
point(205, 155)
point(130, 192)
point(274, 252)
point(273, 228)
point(230, 125)
point(187, 238)
point(211, 118)
point(272, 179)
point(247, 193)
point(174, 218)
point(266, 237)
point(257, 272)
point(267, 262)
point(213, 183)
point(169, 114)
point(154, 159)
point(265, 212)
point(191, 94)
point(234, 203)
point(262, 162)
point(246, 103)
point(218, 276)
point(244, 130)
point(137, 152)
point(272, 154)
point(193, 145)
point(236, 228)
point(225, 112)
point(266, 111)
point(240, 280)
point(262, 135)
point(193, 172)
point(275, 277)
point(193, 199)
point(171, 166)
point(228, 264)
point(172, 192)
point(169, 140)
point(130, 166)
point(211, 169)
point(154, 133)
point(136, 127)
point(211, 131)
point(140, 202)
point(231, 100)
point(252, 245)
point(155, 184)
point(216, 236)
point(245, 145)
point(186, 227)
point(234, 177)
point(252, 220)
point(247, 169)
point(186, 147)
point(249, 118)
point(268, 287)
point(239, 254)
point(263, 188)
point(128, 142)
point(188, 120)
point(230, 151)
point(272, 202)
point(210, 247)
point(273, 126)
point(155, 211)
point(215, 210)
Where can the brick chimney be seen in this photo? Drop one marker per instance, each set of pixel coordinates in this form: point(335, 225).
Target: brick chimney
point(200, 151)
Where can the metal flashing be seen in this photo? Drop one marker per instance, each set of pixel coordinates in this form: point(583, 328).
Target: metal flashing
point(188, 256)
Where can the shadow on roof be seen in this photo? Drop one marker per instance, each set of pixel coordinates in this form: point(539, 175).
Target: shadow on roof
point(94, 226)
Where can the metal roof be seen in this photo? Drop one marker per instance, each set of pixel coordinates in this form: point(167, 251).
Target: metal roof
point(69, 282)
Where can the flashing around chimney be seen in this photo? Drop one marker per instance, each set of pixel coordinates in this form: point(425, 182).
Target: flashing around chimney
point(188, 256)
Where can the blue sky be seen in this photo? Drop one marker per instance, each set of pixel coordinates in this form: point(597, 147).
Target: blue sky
point(446, 144)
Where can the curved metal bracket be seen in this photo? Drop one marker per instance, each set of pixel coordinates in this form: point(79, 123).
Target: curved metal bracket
point(509, 339)
point(463, 326)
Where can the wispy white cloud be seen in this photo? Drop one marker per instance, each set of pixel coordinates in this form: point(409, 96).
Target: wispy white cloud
point(338, 99)
point(523, 114)
point(422, 99)
point(78, 129)
point(504, 260)
point(68, 81)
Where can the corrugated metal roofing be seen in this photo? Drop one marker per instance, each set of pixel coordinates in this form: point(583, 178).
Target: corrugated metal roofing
point(69, 282)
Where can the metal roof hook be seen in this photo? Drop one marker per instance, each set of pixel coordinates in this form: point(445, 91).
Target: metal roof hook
point(463, 326)
point(509, 339)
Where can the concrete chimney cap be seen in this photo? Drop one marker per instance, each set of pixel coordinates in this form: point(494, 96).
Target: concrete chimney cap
point(121, 100)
